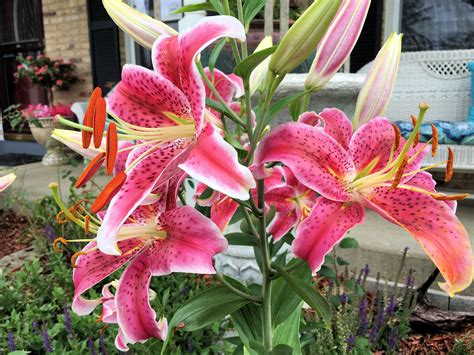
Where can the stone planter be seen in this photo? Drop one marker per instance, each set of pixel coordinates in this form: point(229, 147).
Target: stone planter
point(56, 154)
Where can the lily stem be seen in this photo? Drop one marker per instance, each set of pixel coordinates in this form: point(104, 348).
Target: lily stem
point(237, 291)
point(231, 114)
point(266, 266)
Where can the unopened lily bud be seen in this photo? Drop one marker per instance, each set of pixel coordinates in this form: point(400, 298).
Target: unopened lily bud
point(257, 78)
point(378, 86)
point(303, 37)
point(142, 28)
point(337, 43)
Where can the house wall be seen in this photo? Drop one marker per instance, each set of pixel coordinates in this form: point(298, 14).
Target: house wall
point(66, 33)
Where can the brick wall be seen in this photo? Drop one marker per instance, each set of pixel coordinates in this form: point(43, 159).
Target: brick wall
point(66, 35)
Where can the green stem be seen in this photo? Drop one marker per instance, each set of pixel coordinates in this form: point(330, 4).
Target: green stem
point(266, 265)
point(240, 13)
point(237, 291)
point(233, 42)
point(306, 101)
point(231, 114)
point(250, 223)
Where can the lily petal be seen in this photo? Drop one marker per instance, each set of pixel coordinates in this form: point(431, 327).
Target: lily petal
point(120, 341)
point(189, 246)
point(144, 98)
point(6, 180)
point(325, 227)
point(95, 266)
point(174, 57)
point(214, 162)
point(282, 224)
point(222, 212)
point(136, 318)
point(433, 224)
point(151, 172)
point(313, 156)
point(227, 85)
point(143, 28)
point(258, 75)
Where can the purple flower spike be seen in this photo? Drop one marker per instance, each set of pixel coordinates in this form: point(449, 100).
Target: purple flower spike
point(46, 341)
point(393, 338)
point(391, 306)
point(363, 321)
point(91, 346)
point(102, 348)
point(344, 298)
point(67, 320)
point(49, 233)
point(350, 342)
point(11, 342)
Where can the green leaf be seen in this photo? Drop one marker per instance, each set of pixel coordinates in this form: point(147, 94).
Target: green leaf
point(328, 260)
point(284, 299)
point(217, 6)
point(205, 6)
point(326, 271)
point(207, 307)
point(295, 108)
point(240, 239)
point(349, 242)
point(248, 323)
point(215, 54)
point(288, 334)
point(251, 9)
point(278, 106)
point(312, 297)
point(245, 68)
point(283, 349)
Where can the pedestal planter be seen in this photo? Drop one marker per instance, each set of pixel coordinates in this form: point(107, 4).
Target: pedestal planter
point(56, 154)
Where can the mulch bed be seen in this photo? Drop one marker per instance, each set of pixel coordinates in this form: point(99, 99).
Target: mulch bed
point(437, 343)
point(11, 227)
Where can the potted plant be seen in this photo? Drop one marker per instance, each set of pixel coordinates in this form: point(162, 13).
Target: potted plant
point(52, 75)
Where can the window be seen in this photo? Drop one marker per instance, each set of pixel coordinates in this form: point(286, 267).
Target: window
point(437, 24)
point(20, 21)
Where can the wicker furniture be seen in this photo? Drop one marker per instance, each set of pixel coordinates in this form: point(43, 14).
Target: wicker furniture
point(440, 78)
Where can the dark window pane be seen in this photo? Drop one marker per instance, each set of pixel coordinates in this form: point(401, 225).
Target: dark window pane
point(437, 24)
point(20, 21)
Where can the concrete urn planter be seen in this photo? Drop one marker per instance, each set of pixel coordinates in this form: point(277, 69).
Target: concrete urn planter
point(55, 152)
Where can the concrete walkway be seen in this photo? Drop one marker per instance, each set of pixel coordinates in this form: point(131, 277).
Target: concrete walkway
point(381, 243)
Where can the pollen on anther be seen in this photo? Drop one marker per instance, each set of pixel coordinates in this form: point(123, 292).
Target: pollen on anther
point(111, 148)
point(109, 192)
point(397, 137)
point(57, 241)
point(74, 258)
point(399, 174)
point(417, 134)
point(87, 220)
point(90, 170)
point(449, 166)
point(434, 140)
point(100, 115)
point(89, 117)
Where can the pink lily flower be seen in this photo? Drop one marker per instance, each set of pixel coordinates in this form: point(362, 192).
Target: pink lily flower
point(157, 239)
point(6, 181)
point(374, 168)
point(164, 111)
point(337, 43)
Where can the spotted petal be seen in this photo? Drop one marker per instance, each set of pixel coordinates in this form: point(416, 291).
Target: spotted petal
point(136, 318)
point(325, 227)
point(174, 57)
point(433, 224)
point(313, 156)
point(151, 172)
point(191, 242)
point(214, 162)
point(93, 268)
point(146, 99)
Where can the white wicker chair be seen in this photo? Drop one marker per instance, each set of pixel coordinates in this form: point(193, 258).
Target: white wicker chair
point(440, 78)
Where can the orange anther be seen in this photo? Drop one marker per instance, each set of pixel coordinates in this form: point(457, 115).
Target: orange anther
point(111, 148)
point(57, 241)
point(109, 192)
point(74, 258)
point(399, 174)
point(434, 140)
point(449, 166)
point(417, 135)
point(90, 170)
point(398, 135)
point(87, 220)
point(89, 117)
point(457, 197)
point(61, 218)
point(100, 114)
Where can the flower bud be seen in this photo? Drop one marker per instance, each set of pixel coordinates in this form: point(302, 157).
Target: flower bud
point(337, 43)
point(257, 78)
point(303, 36)
point(142, 28)
point(378, 86)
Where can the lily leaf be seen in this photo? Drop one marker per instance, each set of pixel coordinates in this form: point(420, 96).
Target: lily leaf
point(248, 323)
point(307, 292)
point(240, 239)
point(287, 334)
point(205, 6)
point(251, 9)
point(245, 68)
point(349, 242)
